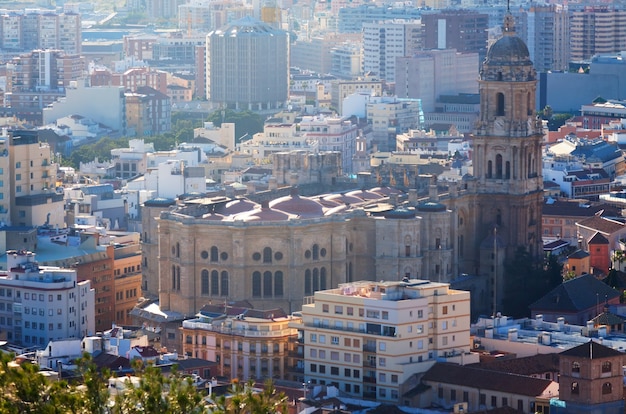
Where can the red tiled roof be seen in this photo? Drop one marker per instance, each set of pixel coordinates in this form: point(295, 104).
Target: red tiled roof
point(467, 376)
point(601, 224)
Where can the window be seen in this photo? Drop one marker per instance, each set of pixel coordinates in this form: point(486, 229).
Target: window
point(382, 362)
point(322, 369)
point(313, 352)
point(382, 346)
point(334, 340)
point(267, 255)
point(494, 401)
point(575, 367)
point(347, 372)
point(606, 366)
point(334, 356)
point(445, 310)
point(325, 308)
point(214, 254)
point(313, 367)
point(334, 370)
point(607, 388)
point(313, 337)
point(204, 282)
point(575, 389)
point(256, 284)
point(338, 310)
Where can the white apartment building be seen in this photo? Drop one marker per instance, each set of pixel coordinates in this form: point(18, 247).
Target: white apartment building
point(223, 136)
point(174, 177)
point(383, 42)
point(390, 116)
point(88, 102)
point(276, 137)
point(367, 338)
point(332, 134)
point(42, 303)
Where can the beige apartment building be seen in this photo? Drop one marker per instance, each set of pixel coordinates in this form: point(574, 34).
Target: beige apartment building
point(368, 338)
point(246, 343)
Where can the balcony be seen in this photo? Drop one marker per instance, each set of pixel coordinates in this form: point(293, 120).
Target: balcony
point(369, 348)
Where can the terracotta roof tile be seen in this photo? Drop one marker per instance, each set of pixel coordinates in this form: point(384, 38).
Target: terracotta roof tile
point(487, 380)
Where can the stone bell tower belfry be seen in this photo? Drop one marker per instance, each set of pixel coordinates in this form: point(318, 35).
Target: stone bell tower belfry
point(505, 213)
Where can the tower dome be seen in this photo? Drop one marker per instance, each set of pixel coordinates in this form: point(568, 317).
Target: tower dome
point(508, 58)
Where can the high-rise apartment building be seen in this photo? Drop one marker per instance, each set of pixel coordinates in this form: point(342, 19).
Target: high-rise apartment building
point(40, 303)
point(31, 177)
point(463, 30)
point(548, 37)
point(596, 30)
point(41, 30)
point(429, 74)
point(368, 338)
point(247, 65)
point(383, 42)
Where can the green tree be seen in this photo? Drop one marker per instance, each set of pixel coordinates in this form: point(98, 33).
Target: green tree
point(245, 400)
point(25, 390)
point(527, 280)
point(95, 396)
point(156, 394)
point(247, 123)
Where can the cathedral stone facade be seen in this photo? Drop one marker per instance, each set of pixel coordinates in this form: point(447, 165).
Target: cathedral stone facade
point(277, 254)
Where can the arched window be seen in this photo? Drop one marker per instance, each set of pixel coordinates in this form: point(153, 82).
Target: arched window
point(267, 255)
point(204, 282)
point(607, 388)
point(530, 165)
point(575, 367)
point(214, 254)
point(529, 105)
point(606, 366)
point(316, 252)
point(350, 278)
point(224, 283)
point(307, 282)
point(267, 284)
point(316, 280)
point(489, 169)
point(278, 284)
point(507, 170)
point(256, 284)
point(173, 277)
point(215, 283)
point(323, 278)
point(499, 104)
point(177, 249)
point(575, 388)
point(499, 166)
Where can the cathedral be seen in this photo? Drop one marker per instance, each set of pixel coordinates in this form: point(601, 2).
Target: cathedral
point(278, 252)
point(501, 211)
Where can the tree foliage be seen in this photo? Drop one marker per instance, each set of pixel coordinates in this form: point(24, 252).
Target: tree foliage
point(247, 123)
point(527, 280)
point(23, 390)
point(244, 400)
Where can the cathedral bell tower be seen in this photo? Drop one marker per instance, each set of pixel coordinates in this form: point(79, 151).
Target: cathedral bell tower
point(507, 159)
